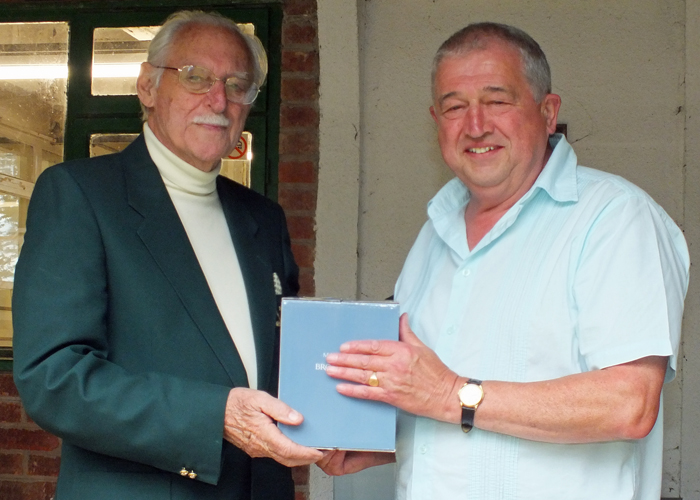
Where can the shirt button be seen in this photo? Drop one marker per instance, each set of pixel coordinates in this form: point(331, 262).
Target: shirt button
point(423, 450)
point(466, 272)
point(451, 330)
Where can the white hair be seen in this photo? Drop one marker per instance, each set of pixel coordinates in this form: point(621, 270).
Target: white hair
point(159, 49)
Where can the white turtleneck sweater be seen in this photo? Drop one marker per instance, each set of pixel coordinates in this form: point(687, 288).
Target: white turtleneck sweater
point(196, 200)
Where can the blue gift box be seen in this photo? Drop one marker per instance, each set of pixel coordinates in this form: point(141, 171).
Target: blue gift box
point(310, 329)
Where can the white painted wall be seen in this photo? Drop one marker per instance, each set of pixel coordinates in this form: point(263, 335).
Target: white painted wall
point(620, 68)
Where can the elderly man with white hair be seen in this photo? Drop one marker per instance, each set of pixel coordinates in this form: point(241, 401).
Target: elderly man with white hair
point(147, 292)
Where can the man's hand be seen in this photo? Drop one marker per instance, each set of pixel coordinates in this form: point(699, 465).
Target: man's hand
point(618, 402)
point(411, 376)
point(250, 425)
point(339, 462)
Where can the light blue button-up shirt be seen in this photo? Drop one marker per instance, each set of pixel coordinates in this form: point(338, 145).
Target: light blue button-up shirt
point(585, 271)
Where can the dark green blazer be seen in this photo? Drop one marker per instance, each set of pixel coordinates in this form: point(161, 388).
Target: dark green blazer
point(119, 347)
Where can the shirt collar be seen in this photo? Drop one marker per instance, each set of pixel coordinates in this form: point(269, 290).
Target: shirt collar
point(558, 177)
point(446, 212)
point(176, 172)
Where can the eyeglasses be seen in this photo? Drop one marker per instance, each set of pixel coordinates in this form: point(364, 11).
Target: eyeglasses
point(200, 80)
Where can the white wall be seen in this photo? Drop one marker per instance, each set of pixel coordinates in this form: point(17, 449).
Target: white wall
point(620, 68)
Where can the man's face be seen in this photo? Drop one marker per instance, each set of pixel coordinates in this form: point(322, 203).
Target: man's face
point(492, 133)
point(178, 117)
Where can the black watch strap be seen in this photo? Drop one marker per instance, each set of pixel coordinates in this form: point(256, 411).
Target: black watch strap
point(468, 418)
point(467, 412)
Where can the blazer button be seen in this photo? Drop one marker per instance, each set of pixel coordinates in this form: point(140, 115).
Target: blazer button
point(183, 472)
point(192, 475)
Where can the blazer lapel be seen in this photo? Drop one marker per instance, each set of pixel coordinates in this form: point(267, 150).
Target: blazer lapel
point(257, 274)
point(165, 238)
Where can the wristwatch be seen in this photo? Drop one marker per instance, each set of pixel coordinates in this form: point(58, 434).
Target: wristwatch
point(470, 395)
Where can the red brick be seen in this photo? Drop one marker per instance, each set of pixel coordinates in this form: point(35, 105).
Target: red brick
point(297, 172)
point(295, 199)
point(298, 34)
point(298, 116)
point(10, 412)
point(303, 254)
point(301, 227)
point(301, 495)
point(21, 439)
point(299, 7)
point(13, 490)
point(43, 466)
point(301, 474)
point(306, 283)
point(296, 143)
point(11, 464)
point(7, 385)
point(299, 61)
point(299, 89)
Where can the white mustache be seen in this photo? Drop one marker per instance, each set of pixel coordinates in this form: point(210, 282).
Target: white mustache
point(218, 120)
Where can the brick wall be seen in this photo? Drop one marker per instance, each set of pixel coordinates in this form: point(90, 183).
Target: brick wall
point(30, 457)
point(299, 116)
point(298, 166)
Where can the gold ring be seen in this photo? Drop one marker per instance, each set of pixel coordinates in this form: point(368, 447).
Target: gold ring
point(373, 380)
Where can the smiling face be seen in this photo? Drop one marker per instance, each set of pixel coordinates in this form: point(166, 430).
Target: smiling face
point(492, 132)
point(198, 128)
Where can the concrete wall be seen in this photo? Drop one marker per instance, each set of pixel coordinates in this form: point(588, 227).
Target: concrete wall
point(690, 404)
point(629, 101)
point(339, 149)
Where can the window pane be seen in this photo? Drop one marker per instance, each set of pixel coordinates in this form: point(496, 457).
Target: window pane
point(33, 70)
point(104, 144)
point(237, 165)
point(13, 215)
point(117, 54)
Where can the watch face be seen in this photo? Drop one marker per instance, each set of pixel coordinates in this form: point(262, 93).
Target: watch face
point(471, 395)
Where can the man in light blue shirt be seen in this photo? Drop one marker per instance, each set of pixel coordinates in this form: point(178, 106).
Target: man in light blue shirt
point(558, 286)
